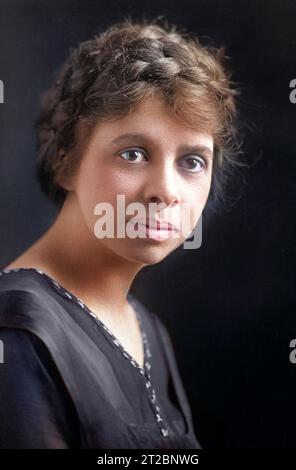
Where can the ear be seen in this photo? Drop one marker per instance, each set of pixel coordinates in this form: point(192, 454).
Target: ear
point(65, 183)
point(65, 180)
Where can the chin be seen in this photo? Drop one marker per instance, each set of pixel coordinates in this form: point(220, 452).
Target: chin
point(149, 255)
point(142, 253)
point(148, 259)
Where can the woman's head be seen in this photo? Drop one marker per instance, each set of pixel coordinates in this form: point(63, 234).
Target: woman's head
point(138, 78)
point(109, 75)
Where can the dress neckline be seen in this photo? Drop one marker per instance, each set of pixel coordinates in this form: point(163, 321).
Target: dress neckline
point(70, 296)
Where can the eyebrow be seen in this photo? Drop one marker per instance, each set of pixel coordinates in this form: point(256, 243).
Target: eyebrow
point(199, 149)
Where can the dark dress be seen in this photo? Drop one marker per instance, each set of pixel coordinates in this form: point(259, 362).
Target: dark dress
point(67, 382)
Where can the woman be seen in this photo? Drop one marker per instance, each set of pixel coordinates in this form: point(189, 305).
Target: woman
point(143, 112)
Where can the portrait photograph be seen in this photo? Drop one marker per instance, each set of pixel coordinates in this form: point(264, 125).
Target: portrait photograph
point(147, 207)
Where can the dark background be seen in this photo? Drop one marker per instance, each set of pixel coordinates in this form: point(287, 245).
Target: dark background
point(230, 305)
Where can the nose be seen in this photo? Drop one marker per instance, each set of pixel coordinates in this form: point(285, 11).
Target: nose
point(162, 186)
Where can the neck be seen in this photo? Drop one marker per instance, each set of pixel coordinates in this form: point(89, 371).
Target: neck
point(83, 264)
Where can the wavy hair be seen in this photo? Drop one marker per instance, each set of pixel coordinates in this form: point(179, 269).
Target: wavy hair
point(108, 75)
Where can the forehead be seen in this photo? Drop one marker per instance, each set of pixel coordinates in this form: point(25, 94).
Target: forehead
point(152, 120)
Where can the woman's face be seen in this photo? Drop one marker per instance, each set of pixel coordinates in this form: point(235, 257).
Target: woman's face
point(161, 160)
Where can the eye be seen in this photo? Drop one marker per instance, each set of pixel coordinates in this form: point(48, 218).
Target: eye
point(194, 164)
point(135, 154)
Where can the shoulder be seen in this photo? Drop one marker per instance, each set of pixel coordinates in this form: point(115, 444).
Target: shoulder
point(22, 300)
point(26, 299)
point(28, 303)
point(23, 347)
point(25, 280)
point(35, 329)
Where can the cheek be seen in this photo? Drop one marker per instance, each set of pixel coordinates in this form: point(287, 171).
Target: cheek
point(204, 189)
point(196, 200)
point(99, 185)
point(117, 182)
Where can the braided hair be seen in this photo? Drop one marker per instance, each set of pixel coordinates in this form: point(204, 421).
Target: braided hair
point(108, 75)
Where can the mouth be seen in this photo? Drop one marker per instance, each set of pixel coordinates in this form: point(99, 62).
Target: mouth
point(157, 226)
point(156, 231)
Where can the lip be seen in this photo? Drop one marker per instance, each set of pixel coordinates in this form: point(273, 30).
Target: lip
point(157, 225)
point(155, 234)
